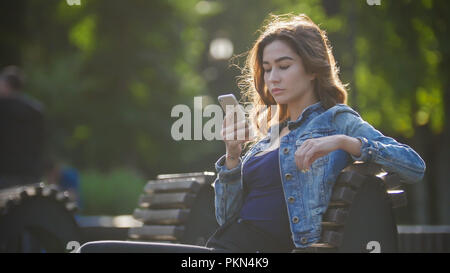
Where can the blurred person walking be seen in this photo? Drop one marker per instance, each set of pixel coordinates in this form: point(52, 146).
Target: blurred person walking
point(21, 132)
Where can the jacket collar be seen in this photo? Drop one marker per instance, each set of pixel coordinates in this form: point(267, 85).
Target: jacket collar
point(306, 112)
point(295, 124)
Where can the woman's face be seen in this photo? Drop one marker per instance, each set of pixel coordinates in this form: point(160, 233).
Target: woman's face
point(284, 74)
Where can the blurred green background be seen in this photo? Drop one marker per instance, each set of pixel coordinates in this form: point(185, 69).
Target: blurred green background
point(109, 73)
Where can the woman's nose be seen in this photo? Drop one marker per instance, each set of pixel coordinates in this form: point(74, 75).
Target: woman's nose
point(274, 76)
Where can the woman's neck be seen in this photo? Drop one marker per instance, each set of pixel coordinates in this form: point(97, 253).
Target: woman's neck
point(295, 108)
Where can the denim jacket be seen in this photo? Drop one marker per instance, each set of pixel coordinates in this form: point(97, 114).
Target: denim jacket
point(307, 194)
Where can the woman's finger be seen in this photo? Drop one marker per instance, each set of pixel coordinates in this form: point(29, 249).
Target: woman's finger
point(233, 126)
point(301, 153)
point(241, 125)
point(308, 155)
point(297, 162)
point(237, 134)
point(229, 130)
point(307, 159)
point(233, 118)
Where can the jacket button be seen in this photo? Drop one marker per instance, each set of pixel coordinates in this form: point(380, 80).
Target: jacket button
point(295, 220)
point(303, 240)
point(285, 150)
point(291, 199)
point(288, 176)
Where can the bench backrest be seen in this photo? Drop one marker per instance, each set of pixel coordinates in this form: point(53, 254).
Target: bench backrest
point(360, 216)
point(176, 208)
point(179, 208)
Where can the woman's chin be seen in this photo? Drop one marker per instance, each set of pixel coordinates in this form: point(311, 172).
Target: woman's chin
point(280, 100)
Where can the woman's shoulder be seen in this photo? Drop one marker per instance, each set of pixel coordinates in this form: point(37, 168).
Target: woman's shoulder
point(341, 108)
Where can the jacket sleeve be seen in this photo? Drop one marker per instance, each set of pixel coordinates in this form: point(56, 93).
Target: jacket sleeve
point(376, 148)
point(228, 190)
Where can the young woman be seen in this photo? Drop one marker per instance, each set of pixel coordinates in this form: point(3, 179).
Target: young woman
point(272, 198)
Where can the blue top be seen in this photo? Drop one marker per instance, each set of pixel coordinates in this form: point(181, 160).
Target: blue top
point(264, 204)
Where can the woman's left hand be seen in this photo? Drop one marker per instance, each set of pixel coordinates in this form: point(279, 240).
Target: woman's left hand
point(314, 148)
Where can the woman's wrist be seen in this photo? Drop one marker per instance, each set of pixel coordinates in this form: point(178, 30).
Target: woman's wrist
point(232, 157)
point(233, 152)
point(231, 162)
point(351, 145)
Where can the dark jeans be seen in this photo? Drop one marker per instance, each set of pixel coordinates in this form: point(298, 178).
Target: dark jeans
point(238, 235)
point(235, 236)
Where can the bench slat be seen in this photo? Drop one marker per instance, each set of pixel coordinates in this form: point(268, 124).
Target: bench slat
point(163, 217)
point(167, 200)
point(163, 233)
point(332, 238)
point(173, 177)
point(342, 194)
point(185, 185)
point(335, 217)
point(316, 248)
point(392, 181)
point(364, 168)
point(351, 178)
point(398, 198)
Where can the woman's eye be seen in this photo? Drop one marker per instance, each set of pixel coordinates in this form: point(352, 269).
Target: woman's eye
point(281, 67)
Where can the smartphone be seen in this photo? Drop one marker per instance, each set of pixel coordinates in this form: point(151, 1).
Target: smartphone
point(240, 114)
point(230, 99)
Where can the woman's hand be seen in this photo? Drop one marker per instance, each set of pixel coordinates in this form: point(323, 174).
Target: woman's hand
point(314, 148)
point(235, 132)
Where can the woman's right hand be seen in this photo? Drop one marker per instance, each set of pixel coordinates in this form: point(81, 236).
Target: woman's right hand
point(235, 132)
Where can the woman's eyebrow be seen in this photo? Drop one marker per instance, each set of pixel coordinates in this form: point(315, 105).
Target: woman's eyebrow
point(280, 59)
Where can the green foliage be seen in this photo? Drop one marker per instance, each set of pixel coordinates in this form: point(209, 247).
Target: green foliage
point(82, 34)
point(114, 193)
point(109, 73)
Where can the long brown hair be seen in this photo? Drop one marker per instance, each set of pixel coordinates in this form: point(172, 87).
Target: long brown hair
point(312, 45)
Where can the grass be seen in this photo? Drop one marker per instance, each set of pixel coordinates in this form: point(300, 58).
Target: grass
point(113, 193)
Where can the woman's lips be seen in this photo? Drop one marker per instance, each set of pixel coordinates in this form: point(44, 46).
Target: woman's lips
point(277, 91)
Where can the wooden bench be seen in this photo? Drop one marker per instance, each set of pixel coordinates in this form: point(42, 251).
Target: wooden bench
point(36, 218)
point(360, 216)
point(179, 208)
